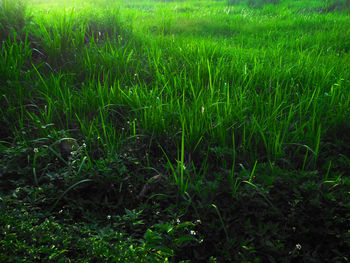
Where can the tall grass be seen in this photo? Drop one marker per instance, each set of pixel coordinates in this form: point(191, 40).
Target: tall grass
point(12, 17)
point(262, 85)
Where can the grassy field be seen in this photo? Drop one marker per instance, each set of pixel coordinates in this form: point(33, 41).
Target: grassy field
point(174, 131)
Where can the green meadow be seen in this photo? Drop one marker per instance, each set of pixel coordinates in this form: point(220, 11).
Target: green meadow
point(174, 131)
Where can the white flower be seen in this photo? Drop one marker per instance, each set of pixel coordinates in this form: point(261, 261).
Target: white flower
point(36, 150)
point(298, 246)
point(109, 217)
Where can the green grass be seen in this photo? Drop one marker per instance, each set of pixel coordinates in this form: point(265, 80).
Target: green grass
point(241, 107)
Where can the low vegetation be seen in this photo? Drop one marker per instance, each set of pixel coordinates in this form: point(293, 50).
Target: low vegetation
point(174, 131)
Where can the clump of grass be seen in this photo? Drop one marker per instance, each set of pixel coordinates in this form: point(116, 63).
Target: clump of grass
point(12, 17)
point(331, 6)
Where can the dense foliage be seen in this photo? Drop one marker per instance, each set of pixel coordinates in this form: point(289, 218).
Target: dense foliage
point(174, 131)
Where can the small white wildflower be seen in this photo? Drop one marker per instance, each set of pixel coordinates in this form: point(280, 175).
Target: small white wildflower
point(36, 150)
point(193, 233)
point(73, 153)
point(109, 217)
point(178, 221)
point(84, 145)
point(298, 246)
